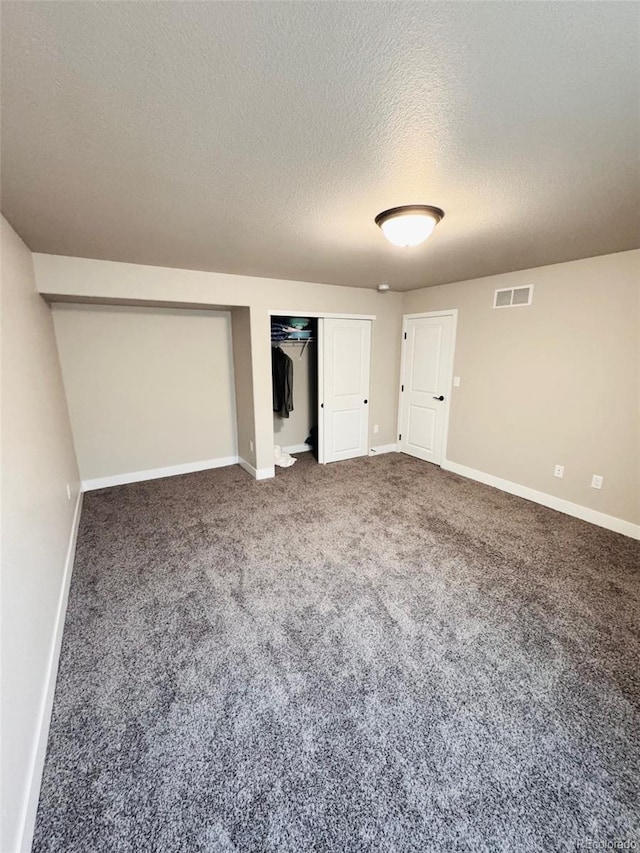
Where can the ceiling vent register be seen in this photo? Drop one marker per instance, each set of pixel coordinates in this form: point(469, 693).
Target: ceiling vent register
point(513, 297)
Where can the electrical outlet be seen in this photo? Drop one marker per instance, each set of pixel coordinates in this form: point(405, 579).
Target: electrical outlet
point(558, 471)
point(68, 492)
point(597, 481)
point(376, 428)
point(456, 381)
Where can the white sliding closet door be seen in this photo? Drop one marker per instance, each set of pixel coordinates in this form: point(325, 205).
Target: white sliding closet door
point(345, 356)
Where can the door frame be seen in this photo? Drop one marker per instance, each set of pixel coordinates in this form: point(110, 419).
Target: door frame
point(320, 316)
point(320, 387)
point(450, 312)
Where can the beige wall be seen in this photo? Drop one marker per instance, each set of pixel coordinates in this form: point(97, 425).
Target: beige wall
point(553, 383)
point(81, 278)
point(294, 430)
point(38, 462)
point(243, 380)
point(556, 382)
point(147, 387)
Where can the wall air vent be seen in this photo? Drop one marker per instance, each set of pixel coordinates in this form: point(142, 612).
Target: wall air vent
point(513, 297)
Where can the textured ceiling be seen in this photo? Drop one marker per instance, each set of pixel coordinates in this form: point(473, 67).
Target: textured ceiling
point(263, 138)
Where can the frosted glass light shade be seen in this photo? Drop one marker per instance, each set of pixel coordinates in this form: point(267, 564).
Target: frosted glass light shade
point(410, 225)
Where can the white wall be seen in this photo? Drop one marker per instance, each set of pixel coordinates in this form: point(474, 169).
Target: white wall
point(148, 388)
point(553, 383)
point(38, 462)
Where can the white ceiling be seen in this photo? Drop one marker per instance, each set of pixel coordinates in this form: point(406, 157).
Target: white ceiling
point(263, 138)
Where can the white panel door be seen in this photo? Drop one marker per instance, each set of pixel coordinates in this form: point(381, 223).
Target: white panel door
point(426, 381)
point(346, 353)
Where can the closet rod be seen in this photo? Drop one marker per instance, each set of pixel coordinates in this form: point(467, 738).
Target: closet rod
point(295, 343)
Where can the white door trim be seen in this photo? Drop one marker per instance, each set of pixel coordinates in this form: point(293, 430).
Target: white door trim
point(322, 314)
point(453, 313)
point(320, 387)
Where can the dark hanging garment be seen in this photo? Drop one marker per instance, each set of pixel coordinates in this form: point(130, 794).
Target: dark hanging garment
point(282, 378)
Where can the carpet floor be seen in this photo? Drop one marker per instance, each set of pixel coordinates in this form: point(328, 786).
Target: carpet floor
point(374, 655)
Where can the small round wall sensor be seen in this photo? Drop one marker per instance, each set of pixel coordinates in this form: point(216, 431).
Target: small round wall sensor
point(382, 288)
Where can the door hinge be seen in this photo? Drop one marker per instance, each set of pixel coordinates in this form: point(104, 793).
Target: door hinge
point(405, 336)
point(402, 387)
point(399, 437)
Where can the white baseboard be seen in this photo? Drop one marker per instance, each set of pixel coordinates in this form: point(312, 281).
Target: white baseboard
point(257, 473)
point(383, 448)
point(157, 473)
point(28, 818)
point(296, 448)
point(601, 519)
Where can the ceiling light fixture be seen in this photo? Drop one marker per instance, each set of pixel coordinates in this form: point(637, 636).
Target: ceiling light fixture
point(383, 288)
point(409, 225)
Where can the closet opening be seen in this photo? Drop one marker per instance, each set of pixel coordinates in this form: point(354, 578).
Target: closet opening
point(294, 374)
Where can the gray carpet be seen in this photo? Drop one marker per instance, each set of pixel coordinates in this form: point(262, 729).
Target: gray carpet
point(375, 655)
